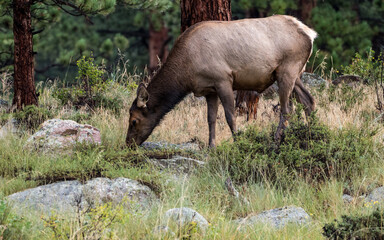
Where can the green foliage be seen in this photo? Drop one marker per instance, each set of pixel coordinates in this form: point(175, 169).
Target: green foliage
point(368, 68)
point(32, 116)
point(12, 226)
point(93, 223)
point(309, 150)
point(88, 73)
point(92, 89)
point(356, 227)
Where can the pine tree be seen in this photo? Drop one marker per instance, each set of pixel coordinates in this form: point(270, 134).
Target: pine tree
point(24, 12)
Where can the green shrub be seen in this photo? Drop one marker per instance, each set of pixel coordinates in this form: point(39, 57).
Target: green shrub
point(93, 223)
point(12, 226)
point(32, 116)
point(368, 68)
point(91, 89)
point(310, 150)
point(357, 227)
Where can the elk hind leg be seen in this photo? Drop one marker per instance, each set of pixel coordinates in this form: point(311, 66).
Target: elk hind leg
point(225, 93)
point(212, 107)
point(286, 82)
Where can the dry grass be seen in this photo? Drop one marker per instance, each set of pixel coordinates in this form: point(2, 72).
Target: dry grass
point(189, 119)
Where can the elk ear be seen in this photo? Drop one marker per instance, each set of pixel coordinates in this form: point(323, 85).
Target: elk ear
point(142, 96)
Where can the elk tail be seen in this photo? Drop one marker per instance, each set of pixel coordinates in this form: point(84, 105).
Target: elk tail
point(303, 96)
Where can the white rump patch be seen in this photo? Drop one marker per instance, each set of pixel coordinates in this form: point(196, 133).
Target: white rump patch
point(312, 34)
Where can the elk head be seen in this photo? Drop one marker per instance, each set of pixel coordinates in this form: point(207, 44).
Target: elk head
point(141, 123)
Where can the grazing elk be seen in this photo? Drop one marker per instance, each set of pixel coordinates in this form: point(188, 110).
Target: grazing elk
point(246, 103)
point(214, 58)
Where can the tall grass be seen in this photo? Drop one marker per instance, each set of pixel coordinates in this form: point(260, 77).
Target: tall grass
point(348, 114)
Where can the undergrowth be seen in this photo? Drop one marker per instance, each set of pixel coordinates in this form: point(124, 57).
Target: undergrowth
point(308, 150)
point(368, 226)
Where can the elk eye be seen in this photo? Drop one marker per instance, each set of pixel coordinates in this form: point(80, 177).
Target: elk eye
point(133, 123)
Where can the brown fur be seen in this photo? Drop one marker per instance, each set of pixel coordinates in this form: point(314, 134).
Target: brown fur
point(214, 58)
point(246, 103)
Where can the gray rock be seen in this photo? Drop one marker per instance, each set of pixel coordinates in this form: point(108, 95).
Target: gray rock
point(278, 217)
point(376, 196)
point(183, 217)
point(163, 230)
point(350, 80)
point(61, 196)
point(177, 163)
point(56, 134)
point(313, 80)
point(11, 127)
point(347, 198)
point(3, 105)
point(119, 190)
point(70, 196)
point(163, 145)
point(271, 91)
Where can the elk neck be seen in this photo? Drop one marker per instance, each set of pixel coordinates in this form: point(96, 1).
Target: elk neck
point(166, 90)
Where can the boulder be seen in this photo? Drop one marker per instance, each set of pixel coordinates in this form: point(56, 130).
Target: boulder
point(119, 190)
point(57, 134)
point(69, 196)
point(61, 196)
point(184, 217)
point(313, 80)
point(278, 217)
point(193, 147)
point(177, 164)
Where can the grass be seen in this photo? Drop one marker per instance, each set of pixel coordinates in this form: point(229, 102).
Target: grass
point(348, 113)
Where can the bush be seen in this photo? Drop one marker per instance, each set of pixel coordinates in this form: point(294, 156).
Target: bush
point(308, 150)
point(357, 227)
point(32, 116)
point(367, 68)
point(12, 226)
point(91, 90)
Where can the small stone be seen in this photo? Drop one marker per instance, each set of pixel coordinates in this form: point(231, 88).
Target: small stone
point(177, 163)
point(376, 196)
point(278, 217)
point(347, 198)
point(164, 145)
point(183, 217)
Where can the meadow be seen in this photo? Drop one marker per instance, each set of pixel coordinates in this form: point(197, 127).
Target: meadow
point(338, 150)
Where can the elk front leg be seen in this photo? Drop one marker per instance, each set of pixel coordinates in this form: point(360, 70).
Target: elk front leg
point(212, 107)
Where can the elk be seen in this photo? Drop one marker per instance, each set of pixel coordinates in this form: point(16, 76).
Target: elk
point(246, 103)
point(214, 58)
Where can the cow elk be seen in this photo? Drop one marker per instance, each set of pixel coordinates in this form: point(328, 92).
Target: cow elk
point(214, 58)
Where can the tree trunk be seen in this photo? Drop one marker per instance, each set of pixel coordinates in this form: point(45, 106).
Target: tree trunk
point(306, 7)
point(194, 11)
point(24, 81)
point(158, 40)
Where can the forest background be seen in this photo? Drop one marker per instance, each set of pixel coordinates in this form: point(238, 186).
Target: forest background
point(139, 31)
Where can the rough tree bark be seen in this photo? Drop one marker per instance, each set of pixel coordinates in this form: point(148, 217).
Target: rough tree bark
point(306, 7)
point(24, 81)
point(158, 41)
point(194, 11)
